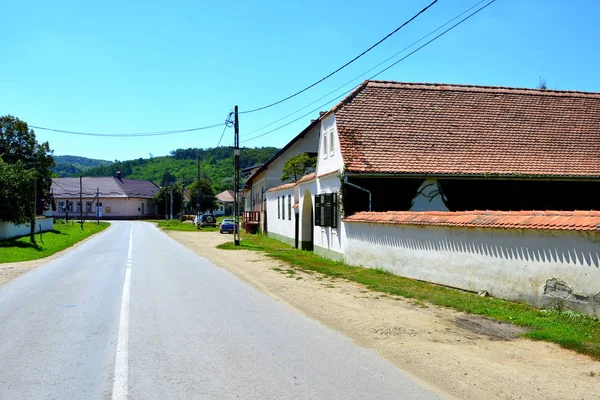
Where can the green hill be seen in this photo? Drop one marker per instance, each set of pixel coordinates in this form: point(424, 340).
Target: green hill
point(216, 164)
point(74, 165)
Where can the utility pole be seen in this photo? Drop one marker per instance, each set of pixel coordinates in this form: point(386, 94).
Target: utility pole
point(182, 193)
point(32, 229)
point(98, 206)
point(236, 179)
point(81, 200)
point(171, 213)
point(198, 182)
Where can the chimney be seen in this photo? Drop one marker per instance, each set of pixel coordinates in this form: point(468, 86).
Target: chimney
point(118, 173)
point(321, 113)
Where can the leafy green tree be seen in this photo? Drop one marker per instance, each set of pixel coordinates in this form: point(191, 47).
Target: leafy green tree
point(298, 166)
point(165, 194)
point(16, 192)
point(18, 145)
point(202, 195)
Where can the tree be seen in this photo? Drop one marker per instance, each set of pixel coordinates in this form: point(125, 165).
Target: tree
point(203, 195)
point(298, 166)
point(165, 194)
point(542, 83)
point(16, 192)
point(20, 149)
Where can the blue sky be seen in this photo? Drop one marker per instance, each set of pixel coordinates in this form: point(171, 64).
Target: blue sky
point(136, 66)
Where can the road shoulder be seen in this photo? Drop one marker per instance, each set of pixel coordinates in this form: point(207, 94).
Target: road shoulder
point(447, 349)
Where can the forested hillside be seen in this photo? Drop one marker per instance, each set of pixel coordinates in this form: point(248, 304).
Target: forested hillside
point(216, 164)
point(75, 166)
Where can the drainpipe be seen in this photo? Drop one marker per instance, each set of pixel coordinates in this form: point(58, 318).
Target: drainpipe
point(359, 188)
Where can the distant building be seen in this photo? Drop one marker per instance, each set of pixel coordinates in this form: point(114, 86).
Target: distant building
point(107, 197)
point(225, 202)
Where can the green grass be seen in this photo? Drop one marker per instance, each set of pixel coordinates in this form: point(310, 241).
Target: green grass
point(568, 329)
point(64, 235)
point(176, 225)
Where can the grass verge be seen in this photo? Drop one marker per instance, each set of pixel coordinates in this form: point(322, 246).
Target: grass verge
point(64, 235)
point(568, 329)
point(176, 225)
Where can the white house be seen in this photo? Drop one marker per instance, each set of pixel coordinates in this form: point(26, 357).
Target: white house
point(395, 158)
point(105, 197)
point(269, 174)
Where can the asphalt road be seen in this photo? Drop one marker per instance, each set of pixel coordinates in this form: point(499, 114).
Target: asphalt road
point(133, 314)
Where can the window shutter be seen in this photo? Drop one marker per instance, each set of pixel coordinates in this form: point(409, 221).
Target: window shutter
point(327, 213)
point(317, 210)
point(282, 207)
point(278, 209)
point(290, 207)
point(334, 212)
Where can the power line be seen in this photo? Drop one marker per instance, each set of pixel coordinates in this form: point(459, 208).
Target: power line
point(369, 70)
point(378, 73)
point(227, 124)
point(343, 66)
point(140, 134)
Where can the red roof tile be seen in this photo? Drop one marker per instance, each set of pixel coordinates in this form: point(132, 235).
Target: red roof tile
point(555, 220)
point(307, 178)
point(281, 187)
point(433, 129)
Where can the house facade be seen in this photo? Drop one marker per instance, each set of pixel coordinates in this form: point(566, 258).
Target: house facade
point(225, 201)
point(394, 158)
point(269, 174)
point(104, 197)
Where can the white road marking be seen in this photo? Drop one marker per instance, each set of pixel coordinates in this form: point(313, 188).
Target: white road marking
point(120, 381)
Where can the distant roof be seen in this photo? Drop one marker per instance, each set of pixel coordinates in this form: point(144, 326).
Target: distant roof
point(108, 187)
point(226, 196)
point(138, 188)
point(438, 129)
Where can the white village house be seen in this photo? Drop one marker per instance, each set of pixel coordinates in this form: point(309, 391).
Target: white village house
point(473, 187)
point(105, 197)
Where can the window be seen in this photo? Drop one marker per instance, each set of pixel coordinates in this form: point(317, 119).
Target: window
point(88, 206)
point(143, 212)
point(326, 210)
point(324, 144)
point(61, 206)
point(282, 207)
point(331, 142)
point(278, 209)
point(290, 207)
point(78, 207)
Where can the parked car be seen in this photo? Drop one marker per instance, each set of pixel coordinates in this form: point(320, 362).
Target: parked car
point(205, 220)
point(227, 225)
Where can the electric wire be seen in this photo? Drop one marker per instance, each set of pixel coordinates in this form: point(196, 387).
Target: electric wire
point(137, 134)
point(227, 124)
point(343, 66)
point(367, 71)
point(378, 73)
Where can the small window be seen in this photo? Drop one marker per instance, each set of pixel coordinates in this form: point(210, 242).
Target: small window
point(88, 206)
point(143, 212)
point(325, 145)
point(61, 206)
point(290, 207)
point(282, 207)
point(331, 146)
point(326, 210)
point(278, 209)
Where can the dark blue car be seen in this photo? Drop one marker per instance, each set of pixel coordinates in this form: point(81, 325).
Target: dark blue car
point(227, 225)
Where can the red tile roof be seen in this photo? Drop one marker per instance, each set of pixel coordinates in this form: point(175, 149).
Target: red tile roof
point(226, 196)
point(554, 220)
point(434, 129)
point(307, 178)
point(281, 187)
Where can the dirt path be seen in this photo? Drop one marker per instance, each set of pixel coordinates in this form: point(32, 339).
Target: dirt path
point(462, 356)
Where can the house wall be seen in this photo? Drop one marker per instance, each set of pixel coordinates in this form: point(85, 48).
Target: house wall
point(9, 230)
point(328, 241)
point(331, 160)
point(535, 266)
point(282, 229)
point(111, 208)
